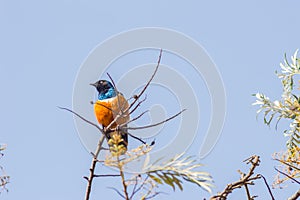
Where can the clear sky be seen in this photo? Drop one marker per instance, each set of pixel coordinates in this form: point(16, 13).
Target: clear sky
point(43, 44)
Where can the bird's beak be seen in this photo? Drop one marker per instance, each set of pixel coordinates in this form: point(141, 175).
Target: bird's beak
point(93, 84)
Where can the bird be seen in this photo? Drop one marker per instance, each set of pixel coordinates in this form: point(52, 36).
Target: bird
point(111, 106)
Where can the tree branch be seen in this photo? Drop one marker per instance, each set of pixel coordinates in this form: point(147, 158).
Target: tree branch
point(149, 81)
point(269, 189)
point(106, 175)
point(287, 175)
point(156, 124)
point(295, 196)
point(87, 121)
point(92, 168)
point(117, 191)
point(244, 180)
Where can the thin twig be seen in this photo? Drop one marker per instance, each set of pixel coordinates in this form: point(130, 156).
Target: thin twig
point(269, 189)
point(78, 115)
point(117, 191)
point(95, 155)
point(137, 96)
point(116, 89)
point(140, 187)
point(244, 180)
point(149, 81)
point(139, 139)
point(136, 118)
point(125, 127)
point(106, 175)
point(288, 164)
point(134, 187)
point(138, 105)
point(287, 175)
point(112, 80)
point(156, 124)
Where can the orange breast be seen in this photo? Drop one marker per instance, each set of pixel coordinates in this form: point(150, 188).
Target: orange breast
point(107, 110)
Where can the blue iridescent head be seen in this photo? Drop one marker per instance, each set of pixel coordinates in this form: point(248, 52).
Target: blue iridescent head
point(105, 89)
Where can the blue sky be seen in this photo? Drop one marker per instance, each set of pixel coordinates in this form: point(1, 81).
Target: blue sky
point(43, 44)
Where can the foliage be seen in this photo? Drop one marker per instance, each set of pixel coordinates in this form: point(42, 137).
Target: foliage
point(178, 167)
point(146, 183)
point(290, 166)
point(288, 107)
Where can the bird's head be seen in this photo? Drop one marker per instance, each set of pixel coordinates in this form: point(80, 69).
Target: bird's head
point(105, 89)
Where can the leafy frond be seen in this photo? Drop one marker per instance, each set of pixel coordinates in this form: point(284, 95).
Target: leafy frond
point(288, 106)
point(172, 172)
point(177, 169)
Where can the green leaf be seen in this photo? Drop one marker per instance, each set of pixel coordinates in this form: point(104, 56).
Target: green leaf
point(157, 180)
point(167, 180)
point(178, 182)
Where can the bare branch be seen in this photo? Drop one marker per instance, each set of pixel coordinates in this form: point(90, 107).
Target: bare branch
point(136, 118)
point(139, 139)
point(269, 189)
point(286, 163)
point(286, 175)
point(138, 105)
point(244, 180)
point(156, 124)
point(295, 196)
point(112, 80)
point(106, 175)
point(116, 89)
point(134, 187)
point(92, 168)
point(148, 83)
point(135, 190)
point(119, 193)
point(87, 121)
